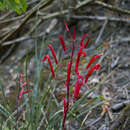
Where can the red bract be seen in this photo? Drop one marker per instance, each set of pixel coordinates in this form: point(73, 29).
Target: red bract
point(62, 42)
point(92, 60)
point(97, 66)
point(63, 98)
point(84, 36)
point(66, 26)
point(85, 45)
point(74, 33)
point(53, 53)
point(78, 84)
point(51, 67)
point(78, 59)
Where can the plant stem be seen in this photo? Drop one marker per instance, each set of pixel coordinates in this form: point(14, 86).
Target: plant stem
point(68, 90)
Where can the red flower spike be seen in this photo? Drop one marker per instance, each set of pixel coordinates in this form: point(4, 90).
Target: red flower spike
point(86, 43)
point(66, 26)
point(21, 93)
point(23, 84)
point(83, 53)
point(78, 59)
point(53, 53)
point(63, 98)
point(21, 75)
point(62, 42)
point(97, 67)
point(77, 63)
point(51, 67)
point(68, 73)
point(84, 36)
point(78, 85)
point(92, 60)
point(27, 91)
point(74, 33)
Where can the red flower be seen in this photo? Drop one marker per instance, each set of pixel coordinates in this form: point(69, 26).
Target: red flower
point(78, 84)
point(53, 53)
point(84, 36)
point(66, 26)
point(22, 87)
point(63, 98)
point(86, 43)
point(92, 60)
point(23, 84)
point(27, 91)
point(83, 53)
point(97, 66)
point(23, 92)
point(78, 58)
point(51, 67)
point(62, 42)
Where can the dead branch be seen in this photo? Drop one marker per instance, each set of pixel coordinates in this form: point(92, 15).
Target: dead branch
point(102, 18)
point(119, 10)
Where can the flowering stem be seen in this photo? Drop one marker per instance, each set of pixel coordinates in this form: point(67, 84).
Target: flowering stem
point(68, 83)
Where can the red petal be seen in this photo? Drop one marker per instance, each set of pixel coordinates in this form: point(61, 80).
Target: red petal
point(78, 86)
point(84, 36)
point(66, 26)
point(62, 42)
point(24, 84)
point(51, 67)
point(86, 43)
point(92, 60)
point(27, 91)
point(97, 66)
point(78, 59)
point(53, 53)
point(20, 93)
point(83, 53)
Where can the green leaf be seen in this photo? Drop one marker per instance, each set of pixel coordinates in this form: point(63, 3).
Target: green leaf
point(23, 5)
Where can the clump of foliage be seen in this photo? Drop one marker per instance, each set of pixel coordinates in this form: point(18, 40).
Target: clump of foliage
point(18, 6)
point(38, 108)
point(81, 79)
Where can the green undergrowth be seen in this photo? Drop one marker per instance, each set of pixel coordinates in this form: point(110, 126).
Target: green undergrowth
point(18, 6)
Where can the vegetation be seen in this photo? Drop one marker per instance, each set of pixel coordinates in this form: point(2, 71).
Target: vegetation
point(17, 5)
point(63, 84)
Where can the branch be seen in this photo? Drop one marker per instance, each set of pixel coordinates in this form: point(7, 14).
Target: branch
point(112, 7)
point(101, 18)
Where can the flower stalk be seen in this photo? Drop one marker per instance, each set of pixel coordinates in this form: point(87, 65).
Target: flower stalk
point(80, 80)
point(21, 92)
